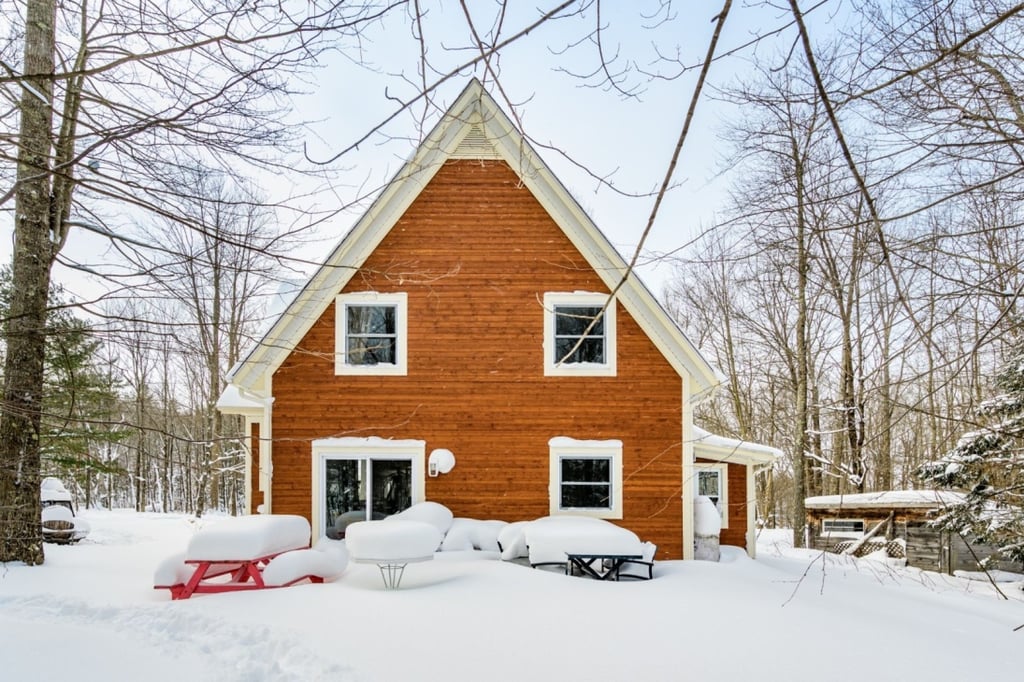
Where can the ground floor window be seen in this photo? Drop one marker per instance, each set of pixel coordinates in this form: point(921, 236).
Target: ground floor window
point(586, 477)
point(712, 482)
point(360, 479)
point(853, 528)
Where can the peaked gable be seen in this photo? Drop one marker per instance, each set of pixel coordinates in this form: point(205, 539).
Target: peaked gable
point(473, 128)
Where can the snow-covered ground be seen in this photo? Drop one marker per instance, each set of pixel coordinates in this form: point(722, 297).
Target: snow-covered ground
point(90, 613)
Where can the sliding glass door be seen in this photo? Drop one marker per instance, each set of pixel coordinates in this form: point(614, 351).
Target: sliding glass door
point(363, 488)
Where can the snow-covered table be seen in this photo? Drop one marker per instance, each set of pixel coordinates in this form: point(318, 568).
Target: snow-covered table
point(392, 545)
point(607, 567)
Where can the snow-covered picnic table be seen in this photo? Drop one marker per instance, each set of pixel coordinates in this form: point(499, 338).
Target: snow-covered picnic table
point(593, 547)
point(255, 552)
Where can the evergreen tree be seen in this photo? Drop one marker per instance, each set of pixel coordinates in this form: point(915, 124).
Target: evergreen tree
point(79, 402)
point(988, 464)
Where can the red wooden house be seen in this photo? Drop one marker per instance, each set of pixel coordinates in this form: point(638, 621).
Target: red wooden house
point(468, 311)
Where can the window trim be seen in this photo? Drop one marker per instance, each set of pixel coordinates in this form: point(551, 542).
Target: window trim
point(563, 447)
point(843, 533)
point(368, 298)
point(723, 486)
point(357, 449)
point(553, 300)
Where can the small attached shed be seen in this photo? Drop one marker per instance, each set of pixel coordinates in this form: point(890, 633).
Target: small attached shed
point(899, 521)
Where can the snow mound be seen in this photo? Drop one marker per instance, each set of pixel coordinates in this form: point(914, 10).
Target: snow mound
point(706, 518)
point(249, 537)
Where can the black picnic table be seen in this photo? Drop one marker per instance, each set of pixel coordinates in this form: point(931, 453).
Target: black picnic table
point(607, 568)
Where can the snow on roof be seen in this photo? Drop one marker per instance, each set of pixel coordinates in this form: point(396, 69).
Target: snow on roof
point(233, 402)
point(720, 448)
point(925, 499)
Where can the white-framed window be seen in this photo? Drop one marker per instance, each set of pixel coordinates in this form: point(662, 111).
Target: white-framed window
point(586, 477)
point(844, 528)
point(358, 479)
point(370, 333)
point(579, 339)
point(712, 480)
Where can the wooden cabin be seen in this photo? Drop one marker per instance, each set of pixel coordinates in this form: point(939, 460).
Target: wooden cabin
point(461, 345)
point(900, 522)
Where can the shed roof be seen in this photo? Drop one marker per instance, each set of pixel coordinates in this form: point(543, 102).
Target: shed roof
point(885, 499)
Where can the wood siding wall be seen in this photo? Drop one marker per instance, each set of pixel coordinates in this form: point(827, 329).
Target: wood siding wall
point(475, 254)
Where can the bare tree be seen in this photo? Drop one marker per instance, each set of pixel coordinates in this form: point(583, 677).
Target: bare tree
point(115, 99)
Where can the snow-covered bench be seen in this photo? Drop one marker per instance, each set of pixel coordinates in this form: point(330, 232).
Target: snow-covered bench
point(255, 552)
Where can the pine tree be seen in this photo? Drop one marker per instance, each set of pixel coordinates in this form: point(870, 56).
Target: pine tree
point(988, 464)
point(79, 400)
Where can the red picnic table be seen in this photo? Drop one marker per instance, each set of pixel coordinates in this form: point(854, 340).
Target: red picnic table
point(232, 555)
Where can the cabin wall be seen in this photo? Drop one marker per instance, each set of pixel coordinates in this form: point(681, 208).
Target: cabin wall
point(475, 254)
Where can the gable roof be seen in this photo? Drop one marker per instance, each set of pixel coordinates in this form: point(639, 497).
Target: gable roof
point(474, 127)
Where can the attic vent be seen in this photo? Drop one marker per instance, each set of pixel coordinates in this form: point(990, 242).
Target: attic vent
point(475, 145)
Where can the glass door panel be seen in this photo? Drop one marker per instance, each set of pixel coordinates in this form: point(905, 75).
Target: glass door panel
point(345, 494)
point(391, 486)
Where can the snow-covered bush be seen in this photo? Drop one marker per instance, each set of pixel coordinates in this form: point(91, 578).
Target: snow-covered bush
point(988, 464)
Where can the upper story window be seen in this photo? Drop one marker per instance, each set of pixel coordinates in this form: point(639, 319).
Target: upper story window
point(579, 335)
point(712, 482)
point(370, 331)
point(586, 477)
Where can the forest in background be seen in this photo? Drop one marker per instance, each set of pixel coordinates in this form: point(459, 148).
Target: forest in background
point(859, 290)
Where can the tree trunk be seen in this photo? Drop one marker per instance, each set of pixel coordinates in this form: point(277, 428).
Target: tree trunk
point(25, 331)
point(802, 369)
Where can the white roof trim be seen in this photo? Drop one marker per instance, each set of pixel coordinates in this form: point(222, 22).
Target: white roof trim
point(885, 499)
point(472, 112)
point(707, 445)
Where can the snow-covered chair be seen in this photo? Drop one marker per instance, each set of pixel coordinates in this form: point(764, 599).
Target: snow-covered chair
point(634, 569)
